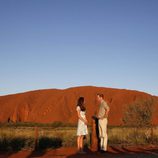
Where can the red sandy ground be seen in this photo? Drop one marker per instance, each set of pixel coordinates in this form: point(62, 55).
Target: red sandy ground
point(113, 152)
point(46, 106)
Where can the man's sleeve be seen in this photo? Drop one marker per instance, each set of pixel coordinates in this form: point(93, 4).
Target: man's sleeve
point(106, 106)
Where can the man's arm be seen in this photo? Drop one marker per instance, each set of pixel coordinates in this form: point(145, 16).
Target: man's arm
point(107, 109)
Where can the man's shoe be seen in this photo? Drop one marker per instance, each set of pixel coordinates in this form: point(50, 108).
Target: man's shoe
point(81, 152)
point(103, 151)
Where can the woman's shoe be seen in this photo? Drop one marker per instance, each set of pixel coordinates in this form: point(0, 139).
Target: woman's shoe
point(82, 152)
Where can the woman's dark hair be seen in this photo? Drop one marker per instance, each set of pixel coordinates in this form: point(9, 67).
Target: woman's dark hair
point(100, 95)
point(80, 103)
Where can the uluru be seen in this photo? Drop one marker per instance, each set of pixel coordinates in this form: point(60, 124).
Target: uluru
point(55, 105)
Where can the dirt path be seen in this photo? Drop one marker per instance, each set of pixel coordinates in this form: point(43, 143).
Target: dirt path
point(113, 152)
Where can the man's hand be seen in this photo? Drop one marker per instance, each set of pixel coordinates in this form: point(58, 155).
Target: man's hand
point(105, 116)
point(86, 122)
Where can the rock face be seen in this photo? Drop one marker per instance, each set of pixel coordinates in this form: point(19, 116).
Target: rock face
point(20, 114)
point(47, 106)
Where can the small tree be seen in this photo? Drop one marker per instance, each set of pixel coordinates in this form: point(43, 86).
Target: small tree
point(139, 114)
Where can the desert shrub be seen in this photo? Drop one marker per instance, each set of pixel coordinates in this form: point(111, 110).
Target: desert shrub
point(24, 138)
point(136, 138)
point(114, 139)
point(17, 143)
point(29, 143)
point(34, 124)
point(139, 114)
point(69, 141)
point(46, 142)
point(132, 135)
point(12, 144)
point(62, 124)
point(153, 139)
point(4, 144)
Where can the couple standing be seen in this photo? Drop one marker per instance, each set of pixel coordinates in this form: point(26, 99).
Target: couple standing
point(102, 116)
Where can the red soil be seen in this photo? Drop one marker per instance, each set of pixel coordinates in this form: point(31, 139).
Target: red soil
point(46, 106)
point(113, 152)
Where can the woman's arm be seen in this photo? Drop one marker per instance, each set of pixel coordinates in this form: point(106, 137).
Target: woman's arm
point(81, 118)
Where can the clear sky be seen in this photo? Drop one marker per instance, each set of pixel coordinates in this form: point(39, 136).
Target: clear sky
point(47, 44)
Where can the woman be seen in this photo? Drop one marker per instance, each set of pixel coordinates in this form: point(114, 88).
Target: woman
point(82, 124)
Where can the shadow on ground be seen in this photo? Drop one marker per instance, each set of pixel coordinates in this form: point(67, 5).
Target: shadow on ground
point(113, 152)
point(120, 152)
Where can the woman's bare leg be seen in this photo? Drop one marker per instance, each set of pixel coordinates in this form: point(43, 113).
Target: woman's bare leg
point(78, 143)
point(81, 142)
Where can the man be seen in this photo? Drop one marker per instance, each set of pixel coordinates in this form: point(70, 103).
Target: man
point(102, 121)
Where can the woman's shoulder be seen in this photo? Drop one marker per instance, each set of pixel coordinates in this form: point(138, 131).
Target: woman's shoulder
point(78, 108)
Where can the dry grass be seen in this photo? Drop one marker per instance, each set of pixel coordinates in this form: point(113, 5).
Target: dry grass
point(132, 135)
point(24, 137)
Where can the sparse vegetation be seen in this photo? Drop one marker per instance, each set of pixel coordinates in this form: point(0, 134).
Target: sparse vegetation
point(33, 124)
point(47, 142)
point(139, 114)
point(132, 136)
point(137, 130)
point(18, 138)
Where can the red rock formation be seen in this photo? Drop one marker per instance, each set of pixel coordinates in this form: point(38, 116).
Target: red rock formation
point(47, 106)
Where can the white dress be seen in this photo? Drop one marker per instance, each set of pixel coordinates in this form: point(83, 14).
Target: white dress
point(81, 127)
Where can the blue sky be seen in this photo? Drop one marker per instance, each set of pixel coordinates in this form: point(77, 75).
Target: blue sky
point(48, 44)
